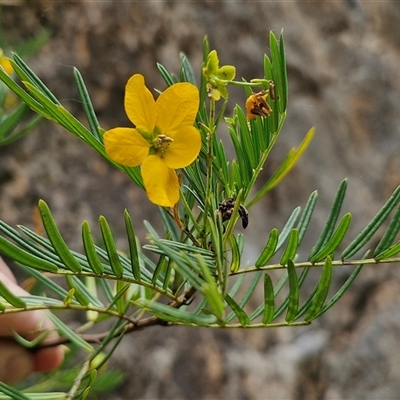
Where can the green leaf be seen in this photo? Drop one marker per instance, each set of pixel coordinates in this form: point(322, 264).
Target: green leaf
point(168, 276)
point(111, 249)
point(45, 281)
point(235, 177)
point(177, 316)
point(15, 253)
point(87, 106)
point(335, 239)
point(56, 239)
point(70, 297)
point(77, 293)
point(239, 312)
point(390, 252)
point(168, 78)
point(291, 247)
point(182, 264)
point(278, 72)
point(23, 95)
point(284, 83)
point(13, 299)
point(211, 292)
point(108, 292)
point(248, 293)
point(70, 334)
point(390, 234)
point(288, 164)
point(293, 292)
point(29, 126)
point(186, 72)
point(42, 247)
point(273, 120)
point(269, 302)
point(269, 249)
point(213, 300)
point(341, 291)
point(133, 249)
point(322, 290)
point(11, 394)
point(26, 74)
point(30, 344)
point(287, 229)
point(10, 122)
point(306, 216)
point(90, 250)
point(215, 225)
point(250, 153)
point(121, 302)
point(331, 221)
point(235, 262)
point(83, 291)
point(372, 227)
point(160, 268)
point(244, 167)
point(237, 285)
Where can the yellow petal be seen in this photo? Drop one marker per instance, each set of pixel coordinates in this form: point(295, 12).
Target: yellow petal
point(177, 106)
point(126, 146)
point(140, 106)
point(184, 149)
point(5, 63)
point(161, 182)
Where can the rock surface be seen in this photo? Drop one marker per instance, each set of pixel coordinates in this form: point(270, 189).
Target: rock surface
point(344, 79)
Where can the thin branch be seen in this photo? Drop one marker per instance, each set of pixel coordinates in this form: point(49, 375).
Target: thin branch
point(78, 380)
point(307, 264)
point(135, 325)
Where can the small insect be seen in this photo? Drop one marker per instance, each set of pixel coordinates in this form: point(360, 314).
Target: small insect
point(226, 210)
point(256, 105)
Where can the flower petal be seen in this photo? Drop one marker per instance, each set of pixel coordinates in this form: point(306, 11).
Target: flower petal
point(184, 149)
point(212, 64)
point(126, 146)
point(140, 106)
point(161, 182)
point(223, 92)
point(226, 72)
point(177, 106)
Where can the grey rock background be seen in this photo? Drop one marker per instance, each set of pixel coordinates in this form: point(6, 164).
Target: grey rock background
point(344, 78)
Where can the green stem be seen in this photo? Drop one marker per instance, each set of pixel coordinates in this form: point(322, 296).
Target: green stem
point(253, 82)
point(260, 165)
point(210, 132)
point(307, 264)
point(183, 227)
point(235, 326)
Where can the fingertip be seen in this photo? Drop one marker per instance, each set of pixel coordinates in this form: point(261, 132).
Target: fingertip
point(16, 363)
point(48, 359)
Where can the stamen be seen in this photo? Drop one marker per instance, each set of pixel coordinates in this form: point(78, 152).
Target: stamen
point(161, 144)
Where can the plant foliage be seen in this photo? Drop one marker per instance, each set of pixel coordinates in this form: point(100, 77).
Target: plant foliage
point(198, 252)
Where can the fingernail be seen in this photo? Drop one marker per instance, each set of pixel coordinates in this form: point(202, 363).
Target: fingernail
point(15, 364)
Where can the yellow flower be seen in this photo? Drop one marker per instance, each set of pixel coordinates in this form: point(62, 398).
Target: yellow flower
point(5, 63)
point(164, 138)
point(217, 77)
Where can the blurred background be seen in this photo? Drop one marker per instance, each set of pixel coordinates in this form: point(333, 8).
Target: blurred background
point(344, 79)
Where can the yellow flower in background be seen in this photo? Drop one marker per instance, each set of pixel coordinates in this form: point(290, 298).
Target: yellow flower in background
point(164, 138)
point(5, 63)
point(217, 77)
